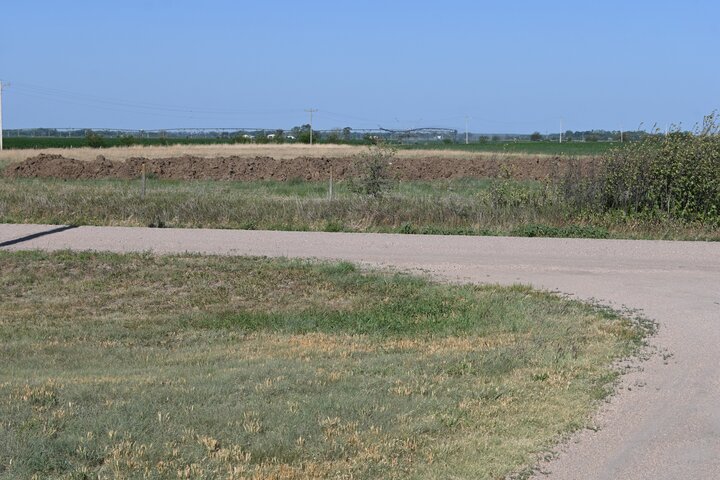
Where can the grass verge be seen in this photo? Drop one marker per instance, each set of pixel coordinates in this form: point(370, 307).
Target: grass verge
point(458, 206)
point(207, 367)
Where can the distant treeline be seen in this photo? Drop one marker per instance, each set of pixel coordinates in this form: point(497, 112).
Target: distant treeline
point(587, 142)
point(339, 135)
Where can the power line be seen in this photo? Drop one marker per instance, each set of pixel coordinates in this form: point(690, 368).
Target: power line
point(110, 103)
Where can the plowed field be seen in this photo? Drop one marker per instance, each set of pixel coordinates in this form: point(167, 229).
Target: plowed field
point(187, 167)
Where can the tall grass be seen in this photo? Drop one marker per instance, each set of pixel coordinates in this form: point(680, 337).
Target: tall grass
point(464, 206)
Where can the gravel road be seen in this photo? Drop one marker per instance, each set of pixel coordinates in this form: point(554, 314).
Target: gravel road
point(664, 423)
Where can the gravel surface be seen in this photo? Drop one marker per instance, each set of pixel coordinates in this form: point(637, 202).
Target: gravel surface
point(665, 421)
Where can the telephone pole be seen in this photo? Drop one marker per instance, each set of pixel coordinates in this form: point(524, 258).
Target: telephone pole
point(466, 129)
point(311, 111)
point(1, 129)
point(561, 130)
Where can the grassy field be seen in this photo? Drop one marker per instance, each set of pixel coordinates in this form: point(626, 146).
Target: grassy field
point(546, 148)
point(462, 206)
point(285, 151)
point(540, 148)
point(143, 366)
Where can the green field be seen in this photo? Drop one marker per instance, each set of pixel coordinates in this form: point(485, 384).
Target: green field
point(141, 366)
point(549, 148)
point(534, 148)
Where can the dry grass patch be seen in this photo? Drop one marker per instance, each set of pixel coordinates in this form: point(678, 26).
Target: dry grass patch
point(282, 151)
point(206, 367)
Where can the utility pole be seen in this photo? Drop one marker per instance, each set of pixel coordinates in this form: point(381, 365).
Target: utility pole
point(466, 129)
point(310, 111)
point(560, 129)
point(1, 129)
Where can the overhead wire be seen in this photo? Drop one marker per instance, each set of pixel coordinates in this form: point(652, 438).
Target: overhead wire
point(86, 99)
point(188, 112)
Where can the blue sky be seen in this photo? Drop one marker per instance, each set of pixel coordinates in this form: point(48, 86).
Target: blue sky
point(511, 66)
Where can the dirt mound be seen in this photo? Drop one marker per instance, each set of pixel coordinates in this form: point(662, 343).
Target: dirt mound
point(308, 168)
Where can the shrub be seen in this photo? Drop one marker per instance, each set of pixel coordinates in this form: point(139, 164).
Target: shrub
point(126, 140)
point(677, 174)
point(94, 140)
point(372, 171)
point(674, 176)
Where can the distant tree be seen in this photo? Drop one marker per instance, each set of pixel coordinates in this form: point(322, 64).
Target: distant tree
point(496, 138)
point(347, 134)
point(126, 140)
point(302, 134)
point(332, 137)
point(536, 137)
point(94, 140)
point(279, 136)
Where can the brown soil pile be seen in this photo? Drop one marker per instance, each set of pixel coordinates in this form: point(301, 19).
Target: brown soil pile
point(307, 168)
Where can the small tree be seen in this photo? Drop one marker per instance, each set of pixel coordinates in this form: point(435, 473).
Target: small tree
point(302, 134)
point(94, 140)
point(333, 137)
point(279, 136)
point(127, 140)
point(536, 137)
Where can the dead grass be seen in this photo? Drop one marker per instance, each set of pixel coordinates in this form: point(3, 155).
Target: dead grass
point(284, 151)
point(206, 367)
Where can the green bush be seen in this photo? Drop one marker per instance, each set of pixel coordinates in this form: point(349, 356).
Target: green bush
point(675, 176)
point(372, 176)
point(126, 140)
point(94, 140)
